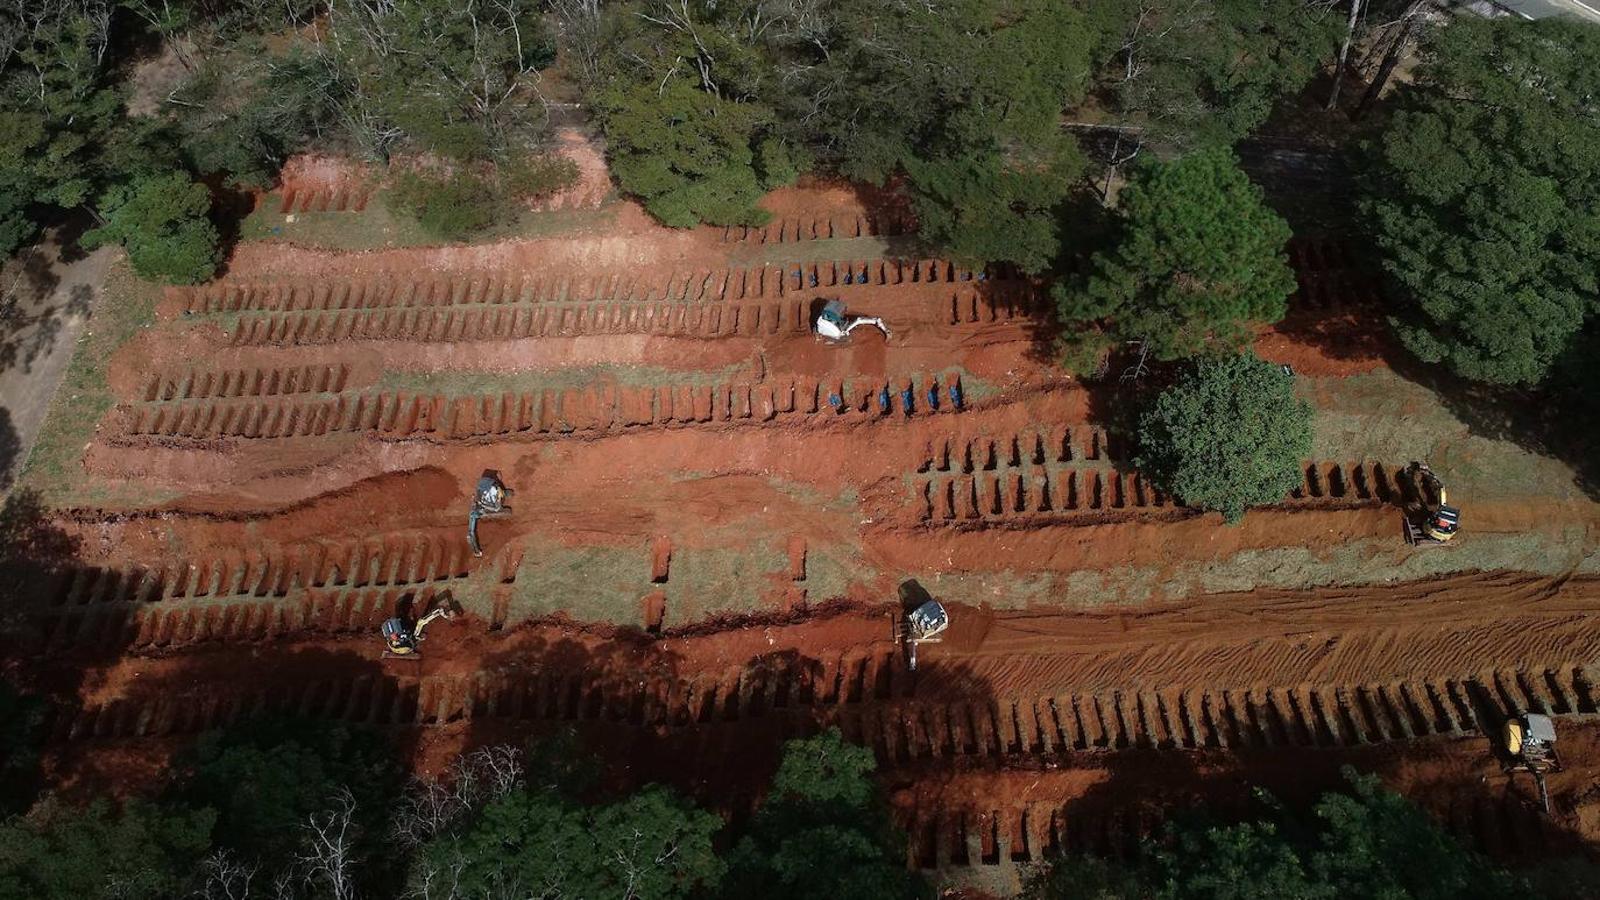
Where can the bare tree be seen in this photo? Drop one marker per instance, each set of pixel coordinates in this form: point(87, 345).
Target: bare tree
point(1403, 31)
point(580, 26)
point(327, 857)
point(430, 807)
point(225, 878)
point(1344, 54)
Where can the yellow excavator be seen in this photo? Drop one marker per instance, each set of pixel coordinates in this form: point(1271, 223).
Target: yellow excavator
point(1530, 741)
point(403, 639)
point(1432, 521)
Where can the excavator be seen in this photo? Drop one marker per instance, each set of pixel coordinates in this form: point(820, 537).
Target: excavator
point(834, 323)
point(1432, 521)
point(403, 639)
point(922, 625)
point(1530, 741)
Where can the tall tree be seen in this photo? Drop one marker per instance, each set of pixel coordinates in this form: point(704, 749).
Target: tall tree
point(1229, 436)
point(823, 832)
point(965, 98)
point(1196, 259)
point(1485, 194)
point(537, 843)
point(1206, 72)
point(57, 108)
point(163, 223)
point(1367, 842)
point(139, 852)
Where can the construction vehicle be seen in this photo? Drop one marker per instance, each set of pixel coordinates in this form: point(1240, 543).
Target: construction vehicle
point(922, 625)
point(1530, 741)
point(1431, 521)
point(488, 500)
point(403, 639)
point(834, 323)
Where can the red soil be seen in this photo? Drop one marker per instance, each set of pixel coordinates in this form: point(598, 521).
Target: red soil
point(311, 499)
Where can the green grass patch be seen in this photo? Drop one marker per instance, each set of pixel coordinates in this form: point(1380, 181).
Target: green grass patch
point(591, 584)
point(706, 582)
point(382, 224)
point(462, 383)
point(55, 467)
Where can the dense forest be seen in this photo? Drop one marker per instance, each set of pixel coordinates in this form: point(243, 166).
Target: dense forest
point(1479, 191)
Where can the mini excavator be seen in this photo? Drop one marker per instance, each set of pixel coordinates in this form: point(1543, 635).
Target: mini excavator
point(1530, 741)
point(1432, 521)
point(403, 639)
point(488, 500)
point(834, 323)
point(922, 625)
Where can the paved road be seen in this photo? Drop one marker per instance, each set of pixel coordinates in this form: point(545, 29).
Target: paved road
point(44, 306)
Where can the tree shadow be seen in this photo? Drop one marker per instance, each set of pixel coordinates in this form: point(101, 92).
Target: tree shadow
point(1548, 421)
point(30, 325)
point(11, 456)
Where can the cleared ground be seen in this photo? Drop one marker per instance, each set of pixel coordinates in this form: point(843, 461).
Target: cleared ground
point(713, 514)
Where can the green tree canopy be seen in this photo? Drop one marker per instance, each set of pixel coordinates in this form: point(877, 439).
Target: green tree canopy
point(1206, 74)
point(454, 76)
point(57, 110)
point(140, 852)
point(1229, 436)
point(535, 842)
point(688, 154)
point(162, 221)
point(823, 832)
point(1196, 259)
point(1369, 842)
point(265, 778)
point(1486, 195)
point(966, 99)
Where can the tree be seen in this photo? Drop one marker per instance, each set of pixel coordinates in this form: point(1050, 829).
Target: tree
point(456, 78)
point(534, 842)
point(1369, 842)
point(1196, 259)
point(271, 780)
point(823, 832)
point(140, 852)
point(1206, 74)
point(162, 222)
point(1485, 196)
point(1229, 436)
point(964, 98)
point(686, 153)
point(56, 110)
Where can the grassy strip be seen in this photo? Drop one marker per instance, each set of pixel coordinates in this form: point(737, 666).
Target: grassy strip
point(55, 467)
point(468, 383)
point(382, 226)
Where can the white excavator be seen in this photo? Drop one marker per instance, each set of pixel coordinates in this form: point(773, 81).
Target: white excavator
point(834, 323)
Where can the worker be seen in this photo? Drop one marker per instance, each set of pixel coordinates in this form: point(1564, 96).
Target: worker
point(488, 500)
